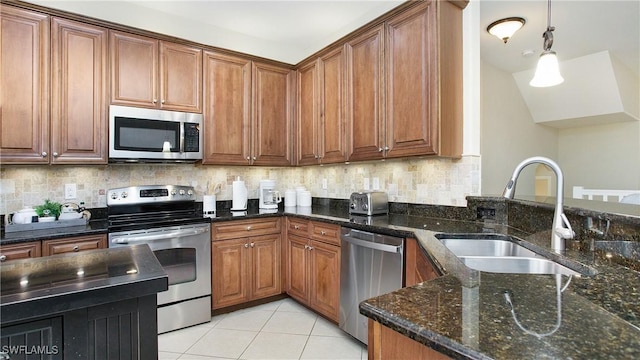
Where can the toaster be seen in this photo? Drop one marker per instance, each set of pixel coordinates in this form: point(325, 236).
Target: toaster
point(369, 203)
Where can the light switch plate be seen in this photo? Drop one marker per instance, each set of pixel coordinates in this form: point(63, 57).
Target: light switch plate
point(70, 191)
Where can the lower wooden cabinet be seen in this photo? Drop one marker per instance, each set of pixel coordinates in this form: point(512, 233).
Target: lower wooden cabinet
point(20, 251)
point(418, 267)
point(313, 271)
point(74, 244)
point(385, 343)
point(245, 268)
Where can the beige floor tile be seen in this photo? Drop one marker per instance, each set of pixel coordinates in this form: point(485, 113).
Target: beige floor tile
point(324, 327)
point(291, 323)
point(163, 355)
point(200, 357)
point(180, 340)
point(291, 305)
point(252, 320)
point(330, 347)
point(271, 306)
point(275, 346)
point(223, 343)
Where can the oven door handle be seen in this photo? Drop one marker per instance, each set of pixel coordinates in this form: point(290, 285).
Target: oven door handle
point(158, 236)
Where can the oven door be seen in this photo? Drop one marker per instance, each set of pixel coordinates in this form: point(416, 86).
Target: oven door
point(184, 253)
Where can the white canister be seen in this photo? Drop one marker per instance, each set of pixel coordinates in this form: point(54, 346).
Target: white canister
point(209, 206)
point(290, 198)
point(299, 190)
point(305, 199)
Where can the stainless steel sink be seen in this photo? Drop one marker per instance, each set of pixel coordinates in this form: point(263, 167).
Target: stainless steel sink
point(502, 256)
point(486, 247)
point(515, 265)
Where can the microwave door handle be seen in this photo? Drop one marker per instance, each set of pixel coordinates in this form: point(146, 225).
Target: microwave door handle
point(182, 126)
point(158, 236)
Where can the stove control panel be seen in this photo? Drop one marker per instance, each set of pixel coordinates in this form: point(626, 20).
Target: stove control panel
point(150, 194)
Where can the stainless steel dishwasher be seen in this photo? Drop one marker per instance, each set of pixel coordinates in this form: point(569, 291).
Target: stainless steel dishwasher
point(371, 265)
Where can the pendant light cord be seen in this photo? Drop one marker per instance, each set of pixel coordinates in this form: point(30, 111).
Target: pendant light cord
point(548, 35)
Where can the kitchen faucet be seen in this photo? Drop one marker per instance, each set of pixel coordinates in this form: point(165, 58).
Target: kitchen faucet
point(561, 229)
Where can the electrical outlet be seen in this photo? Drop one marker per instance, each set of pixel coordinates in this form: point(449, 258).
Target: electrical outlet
point(365, 186)
point(486, 213)
point(376, 183)
point(324, 184)
point(70, 191)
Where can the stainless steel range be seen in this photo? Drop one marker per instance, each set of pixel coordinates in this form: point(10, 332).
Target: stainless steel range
point(165, 218)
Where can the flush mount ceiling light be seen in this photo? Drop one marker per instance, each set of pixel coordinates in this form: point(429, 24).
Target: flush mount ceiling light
point(504, 29)
point(548, 70)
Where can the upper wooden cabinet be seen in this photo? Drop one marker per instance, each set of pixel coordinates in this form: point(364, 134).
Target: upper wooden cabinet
point(420, 111)
point(79, 93)
point(247, 111)
point(157, 74)
point(24, 72)
point(321, 135)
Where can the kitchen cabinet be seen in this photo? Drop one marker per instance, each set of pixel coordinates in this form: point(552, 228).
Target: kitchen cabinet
point(19, 251)
point(245, 261)
point(152, 73)
point(385, 343)
point(24, 69)
point(321, 130)
point(418, 267)
point(247, 111)
point(73, 244)
point(422, 76)
point(313, 266)
point(79, 93)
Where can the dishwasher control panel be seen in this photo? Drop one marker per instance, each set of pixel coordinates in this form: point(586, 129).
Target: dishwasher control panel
point(369, 203)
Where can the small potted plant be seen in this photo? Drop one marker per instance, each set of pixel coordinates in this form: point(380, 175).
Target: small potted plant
point(49, 211)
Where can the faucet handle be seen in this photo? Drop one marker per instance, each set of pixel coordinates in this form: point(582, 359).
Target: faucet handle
point(565, 232)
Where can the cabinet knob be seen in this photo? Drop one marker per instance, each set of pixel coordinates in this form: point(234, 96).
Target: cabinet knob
point(253, 244)
point(76, 248)
point(44, 154)
point(322, 232)
point(379, 149)
point(386, 148)
point(248, 158)
point(3, 257)
point(155, 101)
point(306, 247)
point(55, 154)
point(254, 158)
point(249, 228)
point(296, 227)
point(162, 101)
point(246, 246)
point(310, 248)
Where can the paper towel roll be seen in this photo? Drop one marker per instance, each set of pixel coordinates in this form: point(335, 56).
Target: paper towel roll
point(239, 201)
point(209, 205)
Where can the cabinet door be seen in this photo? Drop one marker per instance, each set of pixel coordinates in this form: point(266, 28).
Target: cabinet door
point(134, 70)
point(180, 77)
point(365, 95)
point(74, 244)
point(229, 272)
point(332, 134)
point(79, 93)
point(271, 115)
point(24, 80)
point(298, 268)
point(307, 114)
point(19, 251)
point(265, 266)
point(412, 118)
point(325, 279)
point(227, 111)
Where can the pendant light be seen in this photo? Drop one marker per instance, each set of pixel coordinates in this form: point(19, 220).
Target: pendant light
point(548, 70)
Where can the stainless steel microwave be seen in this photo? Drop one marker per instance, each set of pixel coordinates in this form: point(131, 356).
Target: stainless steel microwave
point(151, 135)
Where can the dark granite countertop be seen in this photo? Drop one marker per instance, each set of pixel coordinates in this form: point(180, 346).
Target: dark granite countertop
point(464, 313)
point(33, 288)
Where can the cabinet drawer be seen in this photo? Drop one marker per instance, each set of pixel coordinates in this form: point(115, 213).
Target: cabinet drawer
point(20, 251)
point(298, 227)
point(243, 228)
point(75, 244)
point(324, 232)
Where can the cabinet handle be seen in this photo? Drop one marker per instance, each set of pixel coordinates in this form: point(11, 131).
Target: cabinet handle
point(249, 228)
point(322, 232)
point(306, 247)
point(379, 149)
point(310, 248)
point(155, 101)
point(55, 154)
point(44, 154)
point(76, 248)
point(3, 257)
point(254, 158)
point(296, 227)
point(253, 244)
point(162, 101)
point(386, 148)
point(248, 158)
point(246, 246)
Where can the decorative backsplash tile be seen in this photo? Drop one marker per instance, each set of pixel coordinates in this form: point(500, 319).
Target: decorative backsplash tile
point(423, 181)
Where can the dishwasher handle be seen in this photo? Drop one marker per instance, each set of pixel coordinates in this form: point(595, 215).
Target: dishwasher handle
point(372, 245)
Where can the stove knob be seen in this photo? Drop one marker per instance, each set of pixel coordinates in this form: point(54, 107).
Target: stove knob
point(365, 206)
point(190, 192)
point(173, 193)
point(124, 194)
point(353, 205)
point(182, 192)
point(114, 195)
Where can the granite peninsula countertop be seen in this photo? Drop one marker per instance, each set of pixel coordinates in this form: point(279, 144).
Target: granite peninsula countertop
point(464, 313)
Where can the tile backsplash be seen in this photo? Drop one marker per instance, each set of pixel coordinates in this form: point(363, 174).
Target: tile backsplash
point(418, 180)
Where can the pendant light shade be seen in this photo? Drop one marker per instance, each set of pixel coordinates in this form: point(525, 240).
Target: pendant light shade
point(504, 29)
point(548, 70)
